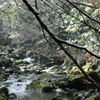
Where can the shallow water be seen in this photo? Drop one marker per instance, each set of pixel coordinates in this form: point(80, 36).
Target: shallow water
point(19, 88)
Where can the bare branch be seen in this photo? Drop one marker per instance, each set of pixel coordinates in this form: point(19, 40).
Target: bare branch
point(85, 5)
point(60, 43)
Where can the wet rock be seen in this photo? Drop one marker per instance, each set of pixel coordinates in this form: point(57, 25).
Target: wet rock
point(71, 92)
point(47, 89)
point(37, 85)
point(41, 84)
point(79, 95)
point(46, 76)
point(3, 97)
point(1, 79)
point(12, 96)
point(75, 81)
point(6, 63)
point(94, 75)
point(61, 84)
point(5, 91)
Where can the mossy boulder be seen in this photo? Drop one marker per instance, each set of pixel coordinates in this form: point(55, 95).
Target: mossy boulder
point(21, 54)
point(61, 84)
point(6, 63)
point(1, 79)
point(12, 96)
point(47, 89)
point(79, 95)
point(3, 97)
point(75, 81)
point(94, 97)
point(94, 75)
point(46, 76)
point(5, 91)
point(37, 85)
point(70, 92)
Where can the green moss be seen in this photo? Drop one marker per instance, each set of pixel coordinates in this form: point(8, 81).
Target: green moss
point(6, 62)
point(17, 62)
point(40, 86)
point(57, 97)
point(45, 76)
point(37, 85)
point(3, 97)
point(21, 79)
point(71, 92)
point(34, 83)
point(4, 90)
point(94, 97)
point(1, 79)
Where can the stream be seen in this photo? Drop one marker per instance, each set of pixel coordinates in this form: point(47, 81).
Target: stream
point(19, 88)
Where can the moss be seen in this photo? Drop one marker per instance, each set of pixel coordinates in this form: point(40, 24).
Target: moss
point(45, 76)
point(94, 97)
point(1, 79)
point(4, 90)
point(34, 83)
point(37, 85)
point(17, 62)
point(94, 75)
point(71, 92)
point(21, 79)
point(6, 62)
point(3, 97)
point(88, 9)
point(75, 81)
point(57, 97)
point(61, 84)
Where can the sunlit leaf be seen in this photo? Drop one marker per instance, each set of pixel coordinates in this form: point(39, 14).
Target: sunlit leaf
point(63, 55)
point(11, 5)
point(93, 4)
point(83, 75)
point(16, 4)
point(71, 50)
point(98, 7)
point(35, 38)
point(16, 29)
point(88, 56)
point(44, 15)
point(24, 34)
point(5, 27)
point(52, 41)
